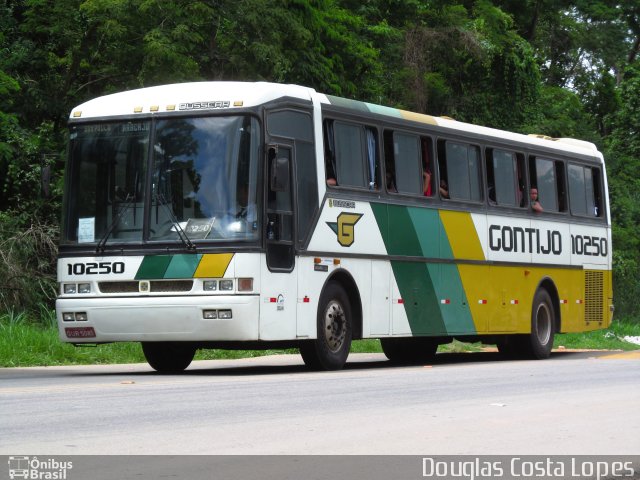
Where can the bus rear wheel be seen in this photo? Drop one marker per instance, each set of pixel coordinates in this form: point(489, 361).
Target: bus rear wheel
point(543, 326)
point(168, 357)
point(334, 331)
point(409, 351)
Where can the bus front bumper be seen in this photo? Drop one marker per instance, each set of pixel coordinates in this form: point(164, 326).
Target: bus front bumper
point(188, 318)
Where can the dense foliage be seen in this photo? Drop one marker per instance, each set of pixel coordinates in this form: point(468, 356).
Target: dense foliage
point(557, 67)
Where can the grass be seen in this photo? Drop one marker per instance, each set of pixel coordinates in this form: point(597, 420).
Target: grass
point(26, 342)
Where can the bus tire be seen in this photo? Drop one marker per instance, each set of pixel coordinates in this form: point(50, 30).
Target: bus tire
point(409, 351)
point(334, 329)
point(537, 344)
point(543, 326)
point(168, 357)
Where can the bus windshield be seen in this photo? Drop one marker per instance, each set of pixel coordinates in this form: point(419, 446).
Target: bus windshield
point(203, 173)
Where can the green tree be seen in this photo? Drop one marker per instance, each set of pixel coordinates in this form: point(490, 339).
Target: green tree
point(623, 160)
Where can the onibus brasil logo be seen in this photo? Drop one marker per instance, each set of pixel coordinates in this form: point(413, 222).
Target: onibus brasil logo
point(34, 468)
point(344, 227)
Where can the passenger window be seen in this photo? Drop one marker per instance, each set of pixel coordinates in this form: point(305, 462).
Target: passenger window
point(406, 160)
point(408, 163)
point(547, 176)
point(584, 191)
point(459, 166)
point(505, 185)
point(427, 170)
point(351, 155)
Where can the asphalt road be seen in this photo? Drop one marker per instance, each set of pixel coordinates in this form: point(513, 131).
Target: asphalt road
point(584, 403)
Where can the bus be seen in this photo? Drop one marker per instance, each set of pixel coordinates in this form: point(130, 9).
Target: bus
point(258, 215)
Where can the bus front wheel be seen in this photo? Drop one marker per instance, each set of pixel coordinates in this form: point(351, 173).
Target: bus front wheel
point(168, 357)
point(334, 324)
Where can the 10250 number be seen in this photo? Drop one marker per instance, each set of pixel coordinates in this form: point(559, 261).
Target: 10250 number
point(592, 246)
point(95, 268)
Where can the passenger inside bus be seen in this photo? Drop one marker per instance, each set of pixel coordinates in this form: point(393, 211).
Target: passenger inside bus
point(444, 188)
point(426, 168)
point(535, 203)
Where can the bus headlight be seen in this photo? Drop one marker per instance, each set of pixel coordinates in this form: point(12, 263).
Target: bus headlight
point(210, 285)
point(70, 288)
point(226, 285)
point(84, 288)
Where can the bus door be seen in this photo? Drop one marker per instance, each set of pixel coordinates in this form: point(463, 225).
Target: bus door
point(279, 284)
point(279, 224)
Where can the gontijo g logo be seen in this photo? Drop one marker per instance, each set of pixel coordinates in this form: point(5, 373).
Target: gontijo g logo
point(344, 228)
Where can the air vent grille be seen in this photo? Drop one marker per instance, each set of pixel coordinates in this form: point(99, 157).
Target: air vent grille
point(593, 291)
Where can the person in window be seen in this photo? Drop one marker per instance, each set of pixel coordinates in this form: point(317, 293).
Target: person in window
point(535, 203)
point(426, 181)
point(444, 188)
point(391, 182)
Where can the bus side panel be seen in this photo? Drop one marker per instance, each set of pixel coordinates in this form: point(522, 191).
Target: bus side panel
point(278, 303)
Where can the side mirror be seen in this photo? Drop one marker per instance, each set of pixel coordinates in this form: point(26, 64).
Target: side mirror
point(279, 181)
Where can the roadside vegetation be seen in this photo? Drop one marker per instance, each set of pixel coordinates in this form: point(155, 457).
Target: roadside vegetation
point(25, 342)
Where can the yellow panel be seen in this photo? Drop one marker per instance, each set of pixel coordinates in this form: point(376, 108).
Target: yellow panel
point(418, 117)
point(500, 297)
point(474, 281)
point(462, 235)
point(213, 265)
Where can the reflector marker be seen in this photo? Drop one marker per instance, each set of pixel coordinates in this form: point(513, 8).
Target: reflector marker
point(482, 301)
point(445, 301)
point(514, 302)
point(564, 301)
point(579, 301)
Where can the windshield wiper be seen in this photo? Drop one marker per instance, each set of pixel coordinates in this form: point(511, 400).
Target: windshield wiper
point(123, 208)
point(189, 245)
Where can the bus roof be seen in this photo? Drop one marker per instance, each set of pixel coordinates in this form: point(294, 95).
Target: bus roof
point(188, 96)
point(198, 96)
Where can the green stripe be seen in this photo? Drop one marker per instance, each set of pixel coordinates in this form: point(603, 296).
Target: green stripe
point(182, 266)
point(153, 267)
point(419, 296)
point(414, 231)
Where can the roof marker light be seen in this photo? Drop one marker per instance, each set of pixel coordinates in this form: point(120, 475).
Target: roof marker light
point(77, 114)
point(137, 109)
point(238, 103)
point(154, 108)
point(171, 108)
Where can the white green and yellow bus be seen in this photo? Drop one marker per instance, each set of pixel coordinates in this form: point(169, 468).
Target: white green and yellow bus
point(258, 215)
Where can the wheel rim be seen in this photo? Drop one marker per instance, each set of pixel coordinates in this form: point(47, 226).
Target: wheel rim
point(335, 329)
point(543, 324)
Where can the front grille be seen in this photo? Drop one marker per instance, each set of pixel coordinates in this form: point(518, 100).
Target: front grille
point(118, 287)
point(171, 285)
point(155, 286)
point(593, 291)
